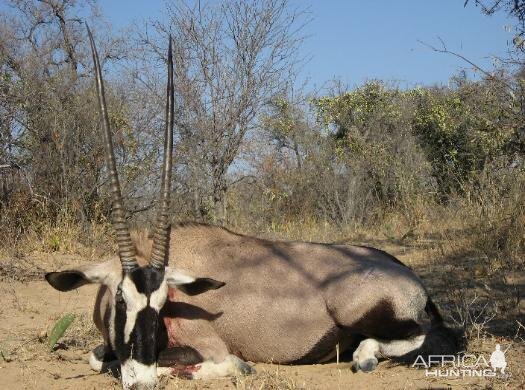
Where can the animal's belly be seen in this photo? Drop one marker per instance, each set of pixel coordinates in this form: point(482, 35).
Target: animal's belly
point(288, 350)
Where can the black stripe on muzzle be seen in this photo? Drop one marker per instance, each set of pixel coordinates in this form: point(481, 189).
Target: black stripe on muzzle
point(142, 345)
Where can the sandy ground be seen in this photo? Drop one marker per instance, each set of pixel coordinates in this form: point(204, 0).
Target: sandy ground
point(29, 308)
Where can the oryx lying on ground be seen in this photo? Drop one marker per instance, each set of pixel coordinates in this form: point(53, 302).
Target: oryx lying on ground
point(282, 302)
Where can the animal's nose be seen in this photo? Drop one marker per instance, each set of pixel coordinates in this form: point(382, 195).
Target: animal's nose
point(138, 376)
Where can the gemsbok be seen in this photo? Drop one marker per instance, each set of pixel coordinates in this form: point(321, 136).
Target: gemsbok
point(235, 298)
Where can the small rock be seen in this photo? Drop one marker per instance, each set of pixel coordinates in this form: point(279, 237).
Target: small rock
point(480, 270)
point(515, 278)
point(42, 336)
point(521, 306)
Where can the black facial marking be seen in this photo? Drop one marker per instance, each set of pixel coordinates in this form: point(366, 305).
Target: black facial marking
point(147, 279)
point(118, 295)
point(144, 336)
point(104, 354)
point(122, 349)
point(142, 344)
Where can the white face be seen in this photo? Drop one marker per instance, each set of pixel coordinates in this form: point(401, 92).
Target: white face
point(136, 301)
point(135, 318)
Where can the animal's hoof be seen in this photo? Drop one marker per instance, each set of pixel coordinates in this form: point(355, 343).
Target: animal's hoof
point(367, 365)
point(240, 366)
point(246, 369)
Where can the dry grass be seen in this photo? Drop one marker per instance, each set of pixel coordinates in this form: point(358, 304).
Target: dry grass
point(486, 223)
point(64, 237)
point(82, 333)
point(270, 379)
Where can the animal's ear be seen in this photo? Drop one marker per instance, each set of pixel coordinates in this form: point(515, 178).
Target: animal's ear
point(188, 284)
point(74, 278)
point(66, 280)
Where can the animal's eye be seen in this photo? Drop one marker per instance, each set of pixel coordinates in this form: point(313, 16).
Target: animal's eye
point(118, 296)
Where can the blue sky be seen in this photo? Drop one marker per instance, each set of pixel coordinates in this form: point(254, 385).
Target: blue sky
point(358, 40)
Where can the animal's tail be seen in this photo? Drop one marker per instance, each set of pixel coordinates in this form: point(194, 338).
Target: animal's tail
point(441, 340)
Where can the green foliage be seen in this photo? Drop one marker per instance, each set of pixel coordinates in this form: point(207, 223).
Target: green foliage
point(5, 357)
point(281, 123)
point(54, 243)
point(461, 130)
point(373, 139)
point(59, 329)
point(358, 107)
point(355, 158)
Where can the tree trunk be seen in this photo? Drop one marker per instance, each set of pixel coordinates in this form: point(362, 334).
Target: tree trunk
point(219, 198)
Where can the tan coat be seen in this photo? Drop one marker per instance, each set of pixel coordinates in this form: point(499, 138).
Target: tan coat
point(283, 302)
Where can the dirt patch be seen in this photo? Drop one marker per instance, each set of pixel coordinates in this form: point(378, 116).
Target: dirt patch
point(29, 308)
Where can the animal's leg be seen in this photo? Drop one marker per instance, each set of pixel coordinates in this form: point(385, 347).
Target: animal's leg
point(208, 369)
point(366, 354)
point(397, 348)
point(204, 354)
point(231, 365)
point(102, 359)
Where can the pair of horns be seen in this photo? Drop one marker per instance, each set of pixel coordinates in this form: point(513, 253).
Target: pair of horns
point(126, 249)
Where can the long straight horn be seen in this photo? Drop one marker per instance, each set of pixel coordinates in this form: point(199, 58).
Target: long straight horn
point(161, 235)
point(126, 250)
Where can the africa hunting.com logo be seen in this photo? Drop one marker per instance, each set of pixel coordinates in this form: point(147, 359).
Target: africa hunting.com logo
point(467, 365)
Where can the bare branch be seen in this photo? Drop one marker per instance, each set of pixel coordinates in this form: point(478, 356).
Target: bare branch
point(444, 50)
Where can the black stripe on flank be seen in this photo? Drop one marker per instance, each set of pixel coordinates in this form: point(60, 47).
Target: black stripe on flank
point(183, 355)
point(380, 322)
